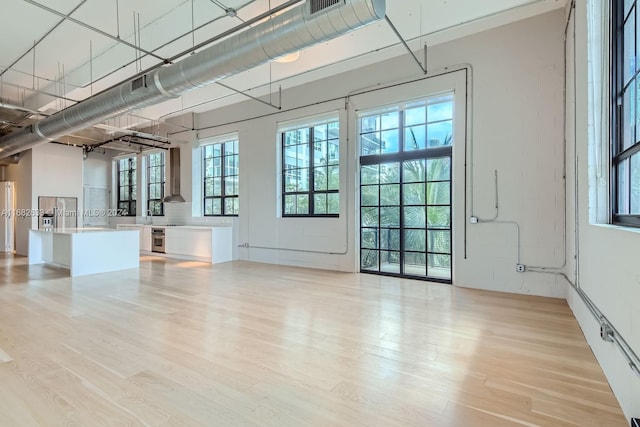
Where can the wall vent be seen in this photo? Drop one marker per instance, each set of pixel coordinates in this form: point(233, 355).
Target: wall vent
point(138, 83)
point(320, 5)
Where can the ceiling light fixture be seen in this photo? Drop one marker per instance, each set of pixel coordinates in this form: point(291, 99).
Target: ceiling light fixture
point(292, 57)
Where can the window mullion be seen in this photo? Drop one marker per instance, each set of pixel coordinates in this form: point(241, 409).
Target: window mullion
point(312, 172)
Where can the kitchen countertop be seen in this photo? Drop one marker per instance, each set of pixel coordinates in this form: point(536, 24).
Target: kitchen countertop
point(76, 230)
point(196, 227)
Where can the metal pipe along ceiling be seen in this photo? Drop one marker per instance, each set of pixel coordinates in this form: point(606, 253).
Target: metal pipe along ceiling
point(281, 35)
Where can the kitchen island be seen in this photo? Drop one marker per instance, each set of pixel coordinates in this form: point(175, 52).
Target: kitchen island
point(85, 250)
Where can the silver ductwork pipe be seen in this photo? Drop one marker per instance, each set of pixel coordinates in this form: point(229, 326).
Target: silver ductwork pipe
point(316, 21)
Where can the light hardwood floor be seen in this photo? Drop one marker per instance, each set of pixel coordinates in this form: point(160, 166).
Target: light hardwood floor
point(243, 344)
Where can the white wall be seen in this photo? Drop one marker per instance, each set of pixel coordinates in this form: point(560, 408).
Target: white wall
point(517, 99)
point(57, 171)
point(97, 188)
point(609, 272)
point(21, 174)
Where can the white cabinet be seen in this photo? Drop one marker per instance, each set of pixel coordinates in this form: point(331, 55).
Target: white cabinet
point(194, 242)
point(145, 239)
point(209, 244)
point(145, 234)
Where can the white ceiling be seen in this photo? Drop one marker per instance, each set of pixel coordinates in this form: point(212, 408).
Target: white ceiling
point(69, 56)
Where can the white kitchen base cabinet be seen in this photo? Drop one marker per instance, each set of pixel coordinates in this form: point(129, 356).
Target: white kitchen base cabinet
point(197, 243)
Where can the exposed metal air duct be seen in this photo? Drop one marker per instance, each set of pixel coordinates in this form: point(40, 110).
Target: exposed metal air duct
point(281, 35)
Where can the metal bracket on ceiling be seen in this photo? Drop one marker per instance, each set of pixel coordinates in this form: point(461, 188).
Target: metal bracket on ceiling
point(277, 107)
point(395, 30)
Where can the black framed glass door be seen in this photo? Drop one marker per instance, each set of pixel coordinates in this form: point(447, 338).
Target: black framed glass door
point(405, 190)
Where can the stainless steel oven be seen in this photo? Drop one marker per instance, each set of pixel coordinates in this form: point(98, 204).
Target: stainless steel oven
point(157, 240)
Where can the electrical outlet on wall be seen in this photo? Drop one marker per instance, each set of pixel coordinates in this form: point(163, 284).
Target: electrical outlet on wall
point(520, 268)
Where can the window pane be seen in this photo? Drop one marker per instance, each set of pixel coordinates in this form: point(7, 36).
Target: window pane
point(217, 186)
point(390, 120)
point(439, 169)
point(623, 187)
point(320, 179)
point(415, 264)
point(629, 117)
point(414, 217)
point(333, 202)
point(413, 194)
point(370, 143)
point(370, 217)
point(438, 193)
point(369, 238)
point(320, 153)
point(289, 205)
point(415, 240)
point(390, 140)
point(390, 216)
point(208, 207)
point(217, 206)
point(303, 181)
point(290, 157)
point(439, 134)
point(369, 260)
point(415, 116)
point(439, 266)
point(629, 45)
point(229, 206)
point(320, 133)
point(208, 187)
point(438, 216)
point(303, 156)
point(320, 204)
point(634, 189)
point(334, 178)
point(440, 109)
point(413, 171)
point(390, 262)
point(369, 175)
point(333, 152)
point(390, 194)
point(390, 239)
point(390, 173)
point(439, 241)
point(415, 138)
point(369, 195)
point(302, 205)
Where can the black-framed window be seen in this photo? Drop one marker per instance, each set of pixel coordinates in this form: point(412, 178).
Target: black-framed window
point(311, 170)
point(127, 186)
point(406, 156)
point(221, 178)
point(625, 129)
point(155, 183)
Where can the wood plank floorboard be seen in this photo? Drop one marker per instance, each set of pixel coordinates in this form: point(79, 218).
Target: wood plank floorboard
point(178, 343)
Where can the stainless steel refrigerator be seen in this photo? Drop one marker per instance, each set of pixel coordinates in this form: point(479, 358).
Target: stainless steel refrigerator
point(7, 217)
point(57, 212)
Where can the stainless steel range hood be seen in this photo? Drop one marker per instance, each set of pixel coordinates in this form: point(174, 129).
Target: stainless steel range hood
point(174, 177)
